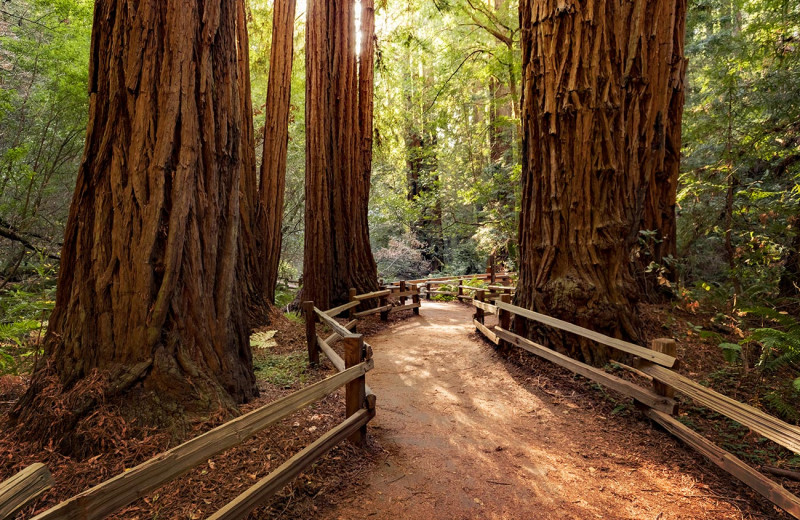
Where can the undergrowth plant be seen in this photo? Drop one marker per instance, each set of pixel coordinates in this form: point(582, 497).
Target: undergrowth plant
point(777, 347)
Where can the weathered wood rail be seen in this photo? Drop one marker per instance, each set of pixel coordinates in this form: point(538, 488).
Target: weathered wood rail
point(23, 488)
point(108, 497)
point(656, 364)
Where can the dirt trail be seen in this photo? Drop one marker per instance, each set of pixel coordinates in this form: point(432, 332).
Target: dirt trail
point(468, 437)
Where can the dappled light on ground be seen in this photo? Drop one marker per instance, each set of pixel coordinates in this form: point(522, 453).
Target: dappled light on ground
point(469, 435)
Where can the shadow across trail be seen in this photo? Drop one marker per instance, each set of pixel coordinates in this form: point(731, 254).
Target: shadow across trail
point(465, 439)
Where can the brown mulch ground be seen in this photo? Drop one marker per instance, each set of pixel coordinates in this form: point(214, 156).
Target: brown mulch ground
point(329, 488)
point(209, 487)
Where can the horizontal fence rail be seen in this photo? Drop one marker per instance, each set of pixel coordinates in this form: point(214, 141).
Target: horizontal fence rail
point(658, 404)
point(23, 488)
point(111, 495)
point(762, 423)
point(272, 483)
point(624, 346)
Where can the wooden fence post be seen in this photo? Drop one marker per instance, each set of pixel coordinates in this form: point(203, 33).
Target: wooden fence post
point(355, 391)
point(504, 318)
point(492, 270)
point(669, 347)
point(460, 287)
point(480, 295)
point(415, 298)
point(383, 302)
point(351, 297)
point(311, 332)
point(428, 290)
point(402, 290)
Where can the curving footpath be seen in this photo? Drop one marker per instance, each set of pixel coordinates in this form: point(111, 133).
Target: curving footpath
point(467, 435)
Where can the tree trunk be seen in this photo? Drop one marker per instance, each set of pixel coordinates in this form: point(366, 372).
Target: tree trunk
point(148, 293)
point(661, 198)
point(252, 272)
point(276, 139)
point(593, 137)
point(500, 135)
point(365, 274)
point(337, 249)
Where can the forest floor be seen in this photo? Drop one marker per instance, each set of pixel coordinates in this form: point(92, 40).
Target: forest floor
point(462, 431)
point(467, 433)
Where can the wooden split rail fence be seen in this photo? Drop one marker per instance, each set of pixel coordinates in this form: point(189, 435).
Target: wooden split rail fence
point(657, 403)
point(108, 497)
point(433, 286)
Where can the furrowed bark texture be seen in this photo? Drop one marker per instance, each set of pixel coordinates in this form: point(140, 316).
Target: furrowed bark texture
point(337, 249)
point(365, 274)
point(252, 268)
point(595, 107)
point(276, 140)
point(148, 288)
point(661, 198)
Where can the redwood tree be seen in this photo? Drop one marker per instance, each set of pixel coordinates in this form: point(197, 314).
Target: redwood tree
point(252, 272)
point(595, 104)
point(276, 137)
point(661, 198)
point(147, 293)
point(337, 249)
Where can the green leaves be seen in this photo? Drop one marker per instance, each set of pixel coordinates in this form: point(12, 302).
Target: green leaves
point(731, 352)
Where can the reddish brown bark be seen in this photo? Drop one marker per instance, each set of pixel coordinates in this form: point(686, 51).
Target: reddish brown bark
point(276, 139)
point(148, 291)
point(337, 249)
point(252, 269)
point(661, 198)
point(594, 135)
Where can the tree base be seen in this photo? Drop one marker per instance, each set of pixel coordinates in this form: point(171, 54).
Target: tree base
point(579, 303)
point(101, 410)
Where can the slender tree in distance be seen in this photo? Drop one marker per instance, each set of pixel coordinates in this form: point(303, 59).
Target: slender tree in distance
point(594, 122)
point(148, 294)
point(337, 249)
point(252, 272)
point(276, 138)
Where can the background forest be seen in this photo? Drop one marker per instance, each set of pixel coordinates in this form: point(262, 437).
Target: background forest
point(446, 164)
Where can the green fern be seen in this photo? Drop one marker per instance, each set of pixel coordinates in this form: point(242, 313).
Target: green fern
point(778, 404)
point(16, 331)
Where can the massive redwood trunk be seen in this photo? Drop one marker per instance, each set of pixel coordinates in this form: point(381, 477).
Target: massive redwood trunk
point(596, 97)
point(276, 139)
point(148, 292)
point(661, 198)
point(337, 249)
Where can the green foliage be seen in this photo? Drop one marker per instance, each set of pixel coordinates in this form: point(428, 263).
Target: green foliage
point(282, 370)
point(777, 403)
point(295, 317)
point(436, 116)
point(44, 51)
point(284, 295)
point(741, 140)
point(780, 344)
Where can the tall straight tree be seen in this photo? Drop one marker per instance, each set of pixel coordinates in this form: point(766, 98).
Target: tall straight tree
point(594, 120)
point(337, 248)
point(661, 198)
point(252, 267)
point(148, 293)
point(276, 138)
